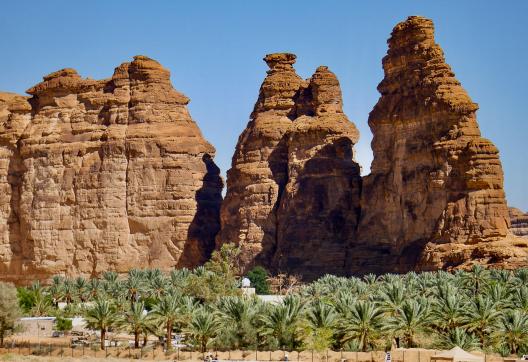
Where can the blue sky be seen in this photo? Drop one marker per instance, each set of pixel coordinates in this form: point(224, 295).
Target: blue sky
point(214, 51)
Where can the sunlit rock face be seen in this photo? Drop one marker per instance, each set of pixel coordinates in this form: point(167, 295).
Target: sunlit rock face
point(104, 175)
point(292, 200)
point(519, 222)
point(434, 198)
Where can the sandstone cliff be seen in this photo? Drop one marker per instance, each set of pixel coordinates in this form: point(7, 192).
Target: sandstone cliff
point(434, 198)
point(104, 175)
point(292, 198)
point(519, 222)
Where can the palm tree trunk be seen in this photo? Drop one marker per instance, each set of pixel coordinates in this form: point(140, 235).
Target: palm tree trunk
point(1, 336)
point(103, 337)
point(145, 339)
point(169, 335)
point(136, 339)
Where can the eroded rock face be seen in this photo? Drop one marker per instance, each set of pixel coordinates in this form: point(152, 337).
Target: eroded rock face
point(519, 222)
point(292, 199)
point(105, 175)
point(435, 193)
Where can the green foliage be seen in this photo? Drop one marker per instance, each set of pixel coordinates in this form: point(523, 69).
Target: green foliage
point(259, 280)
point(101, 316)
point(63, 324)
point(26, 299)
point(203, 327)
point(9, 309)
point(458, 337)
point(218, 277)
point(477, 309)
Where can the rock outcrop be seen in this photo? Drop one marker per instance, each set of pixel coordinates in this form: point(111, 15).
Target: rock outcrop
point(292, 200)
point(104, 175)
point(434, 198)
point(519, 222)
point(113, 174)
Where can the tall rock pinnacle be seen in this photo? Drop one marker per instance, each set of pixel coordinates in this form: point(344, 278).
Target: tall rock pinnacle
point(292, 199)
point(436, 186)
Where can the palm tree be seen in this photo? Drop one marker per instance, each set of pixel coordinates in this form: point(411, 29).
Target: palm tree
point(94, 288)
point(520, 298)
point(237, 318)
point(282, 323)
point(499, 294)
point(364, 326)
point(68, 291)
point(157, 285)
point(482, 317)
point(449, 308)
point(110, 283)
point(133, 285)
point(135, 321)
point(391, 297)
point(166, 312)
point(81, 287)
point(203, 327)
point(101, 316)
point(458, 337)
point(522, 276)
point(55, 293)
point(513, 329)
point(42, 306)
point(321, 320)
point(411, 319)
point(476, 278)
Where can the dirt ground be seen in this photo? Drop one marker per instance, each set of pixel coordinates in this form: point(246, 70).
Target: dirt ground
point(15, 358)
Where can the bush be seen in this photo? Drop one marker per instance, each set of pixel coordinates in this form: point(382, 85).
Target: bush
point(63, 324)
point(259, 280)
point(26, 299)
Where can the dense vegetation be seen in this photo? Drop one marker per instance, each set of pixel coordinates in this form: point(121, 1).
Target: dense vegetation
point(9, 310)
point(480, 309)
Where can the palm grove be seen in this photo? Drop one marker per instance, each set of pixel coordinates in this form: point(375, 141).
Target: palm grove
point(478, 309)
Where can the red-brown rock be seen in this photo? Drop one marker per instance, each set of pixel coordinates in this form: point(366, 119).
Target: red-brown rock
point(292, 199)
point(435, 193)
point(519, 222)
point(104, 175)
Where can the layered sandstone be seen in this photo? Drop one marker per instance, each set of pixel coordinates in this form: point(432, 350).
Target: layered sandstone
point(104, 175)
point(292, 198)
point(434, 198)
point(519, 222)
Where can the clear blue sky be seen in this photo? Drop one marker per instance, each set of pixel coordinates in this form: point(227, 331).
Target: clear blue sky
point(214, 51)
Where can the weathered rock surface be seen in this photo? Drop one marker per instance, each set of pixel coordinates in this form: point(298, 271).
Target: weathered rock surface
point(104, 175)
point(519, 222)
point(292, 199)
point(434, 198)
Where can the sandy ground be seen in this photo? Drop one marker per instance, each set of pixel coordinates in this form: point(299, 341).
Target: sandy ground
point(16, 358)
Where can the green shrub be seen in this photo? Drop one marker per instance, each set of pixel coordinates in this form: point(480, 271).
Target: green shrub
point(259, 280)
point(63, 324)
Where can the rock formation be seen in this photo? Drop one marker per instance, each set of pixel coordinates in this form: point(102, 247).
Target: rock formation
point(292, 199)
point(104, 175)
point(519, 222)
point(434, 198)
point(114, 174)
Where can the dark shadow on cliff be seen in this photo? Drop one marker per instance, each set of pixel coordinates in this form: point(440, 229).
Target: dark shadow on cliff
point(206, 222)
point(314, 227)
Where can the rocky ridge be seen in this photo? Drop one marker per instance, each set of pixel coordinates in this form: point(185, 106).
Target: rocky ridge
point(104, 175)
point(114, 174)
